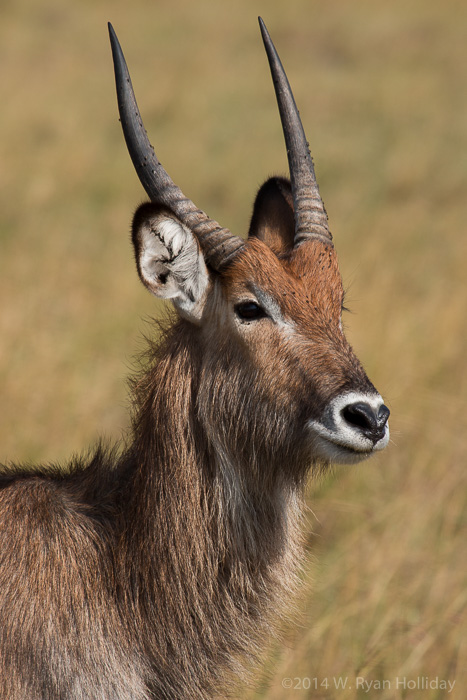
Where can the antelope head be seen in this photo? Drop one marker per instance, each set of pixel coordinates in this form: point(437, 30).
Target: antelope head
point(266, 310)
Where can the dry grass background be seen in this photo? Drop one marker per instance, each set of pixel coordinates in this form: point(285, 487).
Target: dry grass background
point(382, 90)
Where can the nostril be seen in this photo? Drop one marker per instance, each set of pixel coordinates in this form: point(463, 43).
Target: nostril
point(370, 421)
point(361, 415)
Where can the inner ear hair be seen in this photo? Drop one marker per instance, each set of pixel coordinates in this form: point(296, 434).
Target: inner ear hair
point(169, 260)
point(272, 220)
point(143, 216)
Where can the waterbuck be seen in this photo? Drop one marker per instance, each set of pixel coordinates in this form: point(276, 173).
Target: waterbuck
point(157, 569)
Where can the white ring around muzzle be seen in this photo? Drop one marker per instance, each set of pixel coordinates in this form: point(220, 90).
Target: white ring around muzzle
point(335, 439)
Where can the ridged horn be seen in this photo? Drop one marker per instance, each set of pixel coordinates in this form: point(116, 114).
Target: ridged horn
point(218, 244)
point(310, 215)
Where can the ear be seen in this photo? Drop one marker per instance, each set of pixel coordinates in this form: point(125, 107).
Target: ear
point(273, 215)
point(169, 260)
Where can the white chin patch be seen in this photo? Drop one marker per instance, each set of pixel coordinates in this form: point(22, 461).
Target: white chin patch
point(335, 439)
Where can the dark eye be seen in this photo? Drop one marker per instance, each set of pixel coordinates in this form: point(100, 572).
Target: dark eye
point(249, 311)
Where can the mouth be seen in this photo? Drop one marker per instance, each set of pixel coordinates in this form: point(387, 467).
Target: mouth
point(333, 449)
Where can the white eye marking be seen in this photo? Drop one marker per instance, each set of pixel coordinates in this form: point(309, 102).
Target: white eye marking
point(272, 308)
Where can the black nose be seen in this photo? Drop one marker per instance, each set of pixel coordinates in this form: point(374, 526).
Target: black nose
point(368, 420)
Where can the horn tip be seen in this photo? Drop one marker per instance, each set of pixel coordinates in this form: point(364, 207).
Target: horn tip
point(115, 44)
point(263, 28)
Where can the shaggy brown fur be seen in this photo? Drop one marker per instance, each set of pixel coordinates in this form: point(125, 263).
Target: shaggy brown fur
point(156, 572)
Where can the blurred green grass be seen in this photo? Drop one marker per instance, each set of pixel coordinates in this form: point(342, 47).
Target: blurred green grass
point(382, 90)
